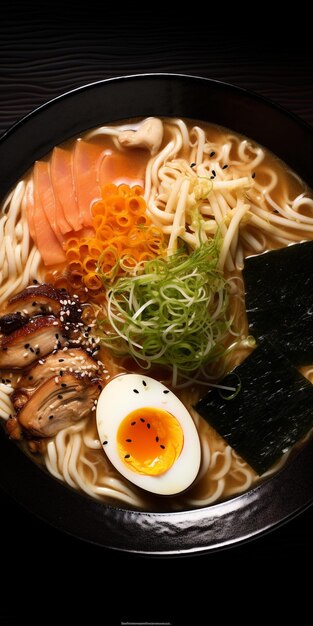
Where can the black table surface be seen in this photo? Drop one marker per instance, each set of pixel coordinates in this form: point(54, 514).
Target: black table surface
point(41, 56)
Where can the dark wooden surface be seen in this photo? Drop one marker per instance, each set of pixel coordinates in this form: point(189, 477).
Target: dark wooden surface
point(43, 54)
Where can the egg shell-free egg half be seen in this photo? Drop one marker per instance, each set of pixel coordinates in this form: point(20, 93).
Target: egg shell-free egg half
point(123, 395)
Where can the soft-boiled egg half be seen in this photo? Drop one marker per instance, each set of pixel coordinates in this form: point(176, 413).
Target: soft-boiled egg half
point(148, 434)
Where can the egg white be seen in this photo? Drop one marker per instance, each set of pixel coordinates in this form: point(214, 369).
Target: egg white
point(117, 400)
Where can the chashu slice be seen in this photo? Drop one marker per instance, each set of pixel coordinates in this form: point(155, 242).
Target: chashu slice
point(38, 299)
point(56, 364)
point(56, 405)
point(12, 321)
point(41, 335)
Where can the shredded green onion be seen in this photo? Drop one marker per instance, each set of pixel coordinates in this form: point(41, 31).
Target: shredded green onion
point(235, 390)
point(170, 311)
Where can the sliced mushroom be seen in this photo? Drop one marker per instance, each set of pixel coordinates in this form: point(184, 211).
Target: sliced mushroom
point(41, 335)
point(149, 135)
point(56, 405)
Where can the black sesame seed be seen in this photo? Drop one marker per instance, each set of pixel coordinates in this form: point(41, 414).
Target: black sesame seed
point(32, 350)
point(129, 440)
point(60, 397)
point(163, 447)
point(62, 289)
point(148, 426)
point(212, 154)
point(214, 172)
point(144, 383)
point(135, 391)
point(63, 385)
point(35, 281)
point(30, 377)
point(157, 439)
point(50, 417)
point(34, 303)
point(43, 308)
point(59, 344)
point(253, 175)
point(104, 443)
point(133, 423)
point(3, 381)
point(127, 456)
point(211, 177)
point(166, 391)
point(26, 346)
point(142, 420)
point(56, 335)
point(4, 349)
point(100, 387)
point(61, 360)
point(275, 211)
point(61, 373)
point(38, 351)
point(224, 167)
point(193, 164)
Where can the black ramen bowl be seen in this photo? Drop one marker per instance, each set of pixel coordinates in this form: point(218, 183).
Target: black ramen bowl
point(274, 501)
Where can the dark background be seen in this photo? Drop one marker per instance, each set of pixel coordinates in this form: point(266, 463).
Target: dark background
point(45, 51)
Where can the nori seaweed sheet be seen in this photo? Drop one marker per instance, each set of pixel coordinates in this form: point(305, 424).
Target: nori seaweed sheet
point(279, 299)
point(270, 413)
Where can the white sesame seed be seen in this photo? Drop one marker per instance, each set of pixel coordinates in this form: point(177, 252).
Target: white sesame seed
point(55, 324)
point(56, 380)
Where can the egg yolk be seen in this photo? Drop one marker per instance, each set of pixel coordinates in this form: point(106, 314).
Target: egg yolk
point(149, 440)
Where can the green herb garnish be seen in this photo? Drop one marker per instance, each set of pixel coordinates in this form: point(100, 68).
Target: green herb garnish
point(170, 312)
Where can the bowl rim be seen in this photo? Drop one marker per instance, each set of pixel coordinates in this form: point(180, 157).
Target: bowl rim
point(238, 88)
point(239, 519)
